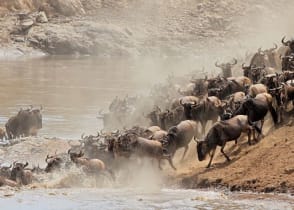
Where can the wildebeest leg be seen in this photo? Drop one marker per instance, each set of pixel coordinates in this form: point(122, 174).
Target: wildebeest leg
point(170, 160)
point(211, 156)
point(171, 163)
point(222, 151)
point(261, 126)
point(159, 163)
point(186, 149)
point(203, 125)
point(253, 134)
point(249, 135)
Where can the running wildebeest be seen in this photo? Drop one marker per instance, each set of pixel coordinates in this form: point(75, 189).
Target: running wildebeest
point(221, 133)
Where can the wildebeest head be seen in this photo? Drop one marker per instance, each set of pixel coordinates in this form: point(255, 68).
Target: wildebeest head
point(172, 133)
point(246, 70)
point(74, 156)
point(126, 140)
point(37, 116)
point(258, 58)
point(215, 82)
point(18, 170)
point(270, 55)
point(53, 162)
point(200, 86)
point(289, 43)
point(276, 93)
point(257, 72)
point(226, 68)
point(188, 108)
point(165, 118)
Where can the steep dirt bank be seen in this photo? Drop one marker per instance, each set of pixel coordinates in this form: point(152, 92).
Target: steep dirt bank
point(265, 167)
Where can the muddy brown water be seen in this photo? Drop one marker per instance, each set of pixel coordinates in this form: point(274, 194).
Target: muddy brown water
point(72, 90)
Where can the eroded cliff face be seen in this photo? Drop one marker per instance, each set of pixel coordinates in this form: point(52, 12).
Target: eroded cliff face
point(217, 28)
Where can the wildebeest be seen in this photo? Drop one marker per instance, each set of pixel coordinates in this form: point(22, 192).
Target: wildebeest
point(222, 132)
point(54, 162)
point(287, 94)
point(5, 171)
point(20, 174)
point(180, 136)
point(257, 108)
point(25, 123)
point(230, 87)
point(226, 68)
point(158, 135)
point(208, 109)
point(90, 166)
point(236, 99)
point(287, 55)
point(256, 89)
point(271, 57)
point(146, 148)
point(169, 118)
point(270, 80)
point(154, 115)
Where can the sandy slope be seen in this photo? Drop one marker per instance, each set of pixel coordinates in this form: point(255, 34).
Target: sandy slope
point(267, 166)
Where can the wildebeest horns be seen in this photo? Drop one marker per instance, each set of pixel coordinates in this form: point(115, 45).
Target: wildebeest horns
point(25, 165)
point(115, 132)
point(235, 61)
point(46, 160)
point(278, 88)
point(287, 43)
point(216, 64)
point(197, 140)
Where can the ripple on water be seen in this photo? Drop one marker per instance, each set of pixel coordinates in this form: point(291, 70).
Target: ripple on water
point(124, 198)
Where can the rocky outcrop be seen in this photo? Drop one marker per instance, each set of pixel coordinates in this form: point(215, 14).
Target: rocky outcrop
point(81, 37)
point(68, 7)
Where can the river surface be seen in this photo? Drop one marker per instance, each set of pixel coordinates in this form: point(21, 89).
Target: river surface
point(72, 90)
point(130, 199)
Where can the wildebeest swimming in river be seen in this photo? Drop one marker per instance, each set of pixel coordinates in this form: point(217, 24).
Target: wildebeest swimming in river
point(27, 122)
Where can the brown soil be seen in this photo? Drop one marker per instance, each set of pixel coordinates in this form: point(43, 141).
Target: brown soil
point(267, 166)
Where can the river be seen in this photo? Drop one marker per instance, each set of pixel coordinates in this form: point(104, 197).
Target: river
point(72, 90)
point(86, 199)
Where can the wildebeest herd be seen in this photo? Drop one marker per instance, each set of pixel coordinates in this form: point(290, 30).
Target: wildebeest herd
point(180, 113)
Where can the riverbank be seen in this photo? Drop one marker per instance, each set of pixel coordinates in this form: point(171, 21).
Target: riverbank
point(264, 167)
